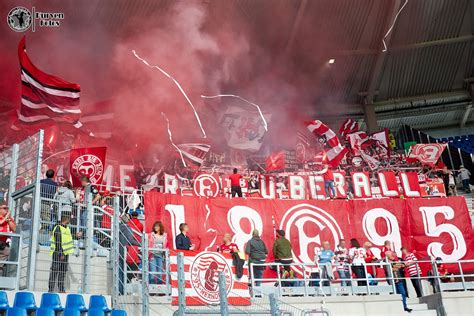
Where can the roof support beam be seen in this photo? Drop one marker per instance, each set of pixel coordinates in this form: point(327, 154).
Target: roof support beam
point(295, 27)
point(369, 111)
point(468, 110)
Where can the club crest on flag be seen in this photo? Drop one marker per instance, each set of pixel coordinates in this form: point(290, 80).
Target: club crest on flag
point(88, 165)
point(88, 162)
point(205, 273)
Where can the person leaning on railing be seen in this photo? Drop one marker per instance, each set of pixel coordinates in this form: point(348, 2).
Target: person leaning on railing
point(157, 239)
point(325, 258)
point(47, 191)
point(282, 251)
point(66, 198)
point(357, 257)
point(412, 269)
point(7, 225)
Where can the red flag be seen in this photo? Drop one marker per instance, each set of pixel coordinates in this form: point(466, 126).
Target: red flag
point(275, 161)
point(88, 162)
point(194, 153)
point(45, 96)
point(348, 126)
point(427, 154)
point(337, 152)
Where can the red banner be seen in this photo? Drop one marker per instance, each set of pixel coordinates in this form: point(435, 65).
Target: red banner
point(427, 154)
point(201, 270)
point(436, 227)
point(88, 162)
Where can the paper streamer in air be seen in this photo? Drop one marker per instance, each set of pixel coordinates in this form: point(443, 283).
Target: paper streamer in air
point(391, 27)
point(179, 87)
point(171, 138)
point(209, 230)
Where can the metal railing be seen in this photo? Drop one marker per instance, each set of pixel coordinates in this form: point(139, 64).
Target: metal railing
point(10, 266)
point(311, 279)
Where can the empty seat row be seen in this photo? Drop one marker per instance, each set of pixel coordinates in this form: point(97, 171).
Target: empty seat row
point(18, 311)
point(50, 302)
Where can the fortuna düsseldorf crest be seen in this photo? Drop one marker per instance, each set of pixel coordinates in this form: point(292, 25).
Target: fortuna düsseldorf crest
point(205, 275)
point(88, 162)
point(88, 165)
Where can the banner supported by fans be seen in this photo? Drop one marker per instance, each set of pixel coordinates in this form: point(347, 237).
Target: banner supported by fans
point(436, 227)
point(311, 186)
point(202, 270)
point(88, 162)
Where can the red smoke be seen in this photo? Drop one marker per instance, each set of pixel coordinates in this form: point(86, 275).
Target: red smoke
point(210, 47)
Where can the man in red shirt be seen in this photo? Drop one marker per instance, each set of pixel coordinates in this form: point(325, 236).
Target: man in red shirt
point(7, 225)
point(329, 183)
point(235, 188)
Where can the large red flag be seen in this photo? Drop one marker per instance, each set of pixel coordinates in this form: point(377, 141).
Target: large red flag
point(45, 96)
point(275, 161)
point(427, 154)
point(88, 162)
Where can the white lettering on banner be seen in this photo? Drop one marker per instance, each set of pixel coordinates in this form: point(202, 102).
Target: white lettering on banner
point(297, 187)
point(384, 187)
point(406, 186)
point(125, 171)
point(316, 185)
point(300, 215)
point(235, 215)
point(361, 185)
point(177, 217)
point(108, 177)
point(206, 185)
point(340, 183)
point(171, 183)
point(435, 249)
point(267, 190)
point(393, 230)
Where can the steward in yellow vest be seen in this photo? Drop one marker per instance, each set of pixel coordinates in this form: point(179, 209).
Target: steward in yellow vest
point(62, 245)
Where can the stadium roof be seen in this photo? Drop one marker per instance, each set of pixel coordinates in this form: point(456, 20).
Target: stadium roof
point(424, 79)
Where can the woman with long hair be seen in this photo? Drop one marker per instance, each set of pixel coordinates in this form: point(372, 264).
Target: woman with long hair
point(157, 239)
point(357, 256)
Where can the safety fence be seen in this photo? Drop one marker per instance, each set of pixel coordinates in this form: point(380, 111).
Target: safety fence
point(302, 279)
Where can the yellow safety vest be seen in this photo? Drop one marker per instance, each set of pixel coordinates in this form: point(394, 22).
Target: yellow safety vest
point(67, 243)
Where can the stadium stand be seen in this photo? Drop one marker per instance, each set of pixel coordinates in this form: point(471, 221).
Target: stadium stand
point(51, 304)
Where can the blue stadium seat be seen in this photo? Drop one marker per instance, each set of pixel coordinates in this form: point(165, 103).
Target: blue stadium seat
point(16, 311)
point(95, 312)
point(3, 301)
point(51, 301)
point(118, 312)
point(25, 300)
point(98, 302)
point(71, 312)
point(76, 301)
point(45, 312)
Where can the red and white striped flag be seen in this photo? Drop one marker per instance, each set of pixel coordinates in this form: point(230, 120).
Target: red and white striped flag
point(45, 96)
point(201, 279)
point(336, 152)
point(348, 126)
point(194, 152)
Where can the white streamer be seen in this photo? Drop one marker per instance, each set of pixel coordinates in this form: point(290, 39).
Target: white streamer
point(171, 139)
point(177, 84)
point(238, 97)
point(391, 27)
point(209, 230)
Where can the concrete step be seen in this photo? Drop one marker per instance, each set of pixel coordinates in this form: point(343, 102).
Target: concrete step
point(423, 313)
point(418, 307)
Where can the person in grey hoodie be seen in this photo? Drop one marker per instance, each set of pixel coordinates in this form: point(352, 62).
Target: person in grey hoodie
point(257, 252)
point(66, 198)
